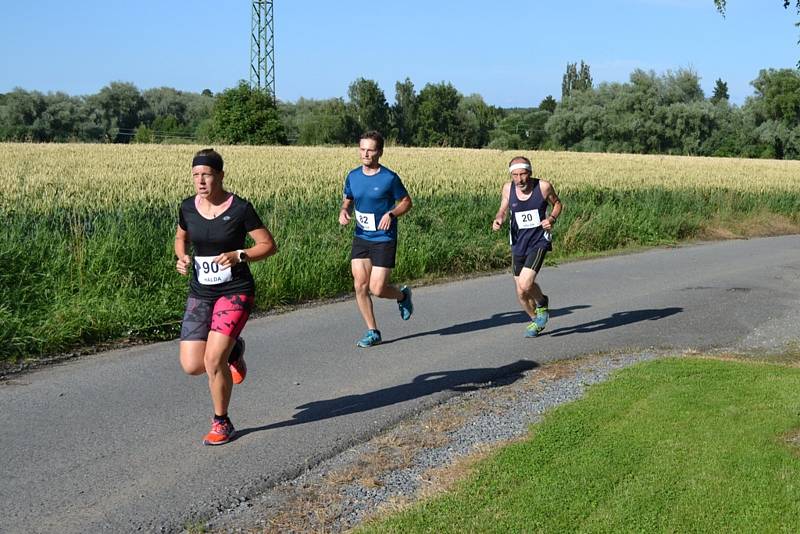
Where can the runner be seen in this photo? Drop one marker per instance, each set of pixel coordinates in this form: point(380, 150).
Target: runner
point(378, 198)
point(221, 289)
point(529, 230)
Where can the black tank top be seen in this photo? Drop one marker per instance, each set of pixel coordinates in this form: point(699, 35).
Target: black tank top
point(526, 232)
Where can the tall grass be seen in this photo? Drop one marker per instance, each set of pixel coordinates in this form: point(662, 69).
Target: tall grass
point(88, 230)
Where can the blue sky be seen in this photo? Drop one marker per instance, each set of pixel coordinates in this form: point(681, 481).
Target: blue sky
point(513, 53)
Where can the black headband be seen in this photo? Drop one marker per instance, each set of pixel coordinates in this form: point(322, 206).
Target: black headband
point(213, 161)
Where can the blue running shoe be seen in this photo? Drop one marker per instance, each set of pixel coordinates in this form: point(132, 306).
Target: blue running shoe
point(372, 337)
point(538, 323)
point(405, 305)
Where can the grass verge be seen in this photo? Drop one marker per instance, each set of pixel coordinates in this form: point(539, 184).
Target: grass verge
point(673, 445)
point(75, 277)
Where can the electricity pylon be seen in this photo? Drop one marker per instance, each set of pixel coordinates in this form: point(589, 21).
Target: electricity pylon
point(262, 47)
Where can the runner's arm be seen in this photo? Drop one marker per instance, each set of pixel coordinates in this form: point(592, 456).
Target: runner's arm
point(555, 203)
point(500, 217)
point(402, 207)
point(181, 248)
point(263, 247)
point(345, 211)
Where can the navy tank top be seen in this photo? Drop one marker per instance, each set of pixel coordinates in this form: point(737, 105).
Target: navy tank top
point(525, 228)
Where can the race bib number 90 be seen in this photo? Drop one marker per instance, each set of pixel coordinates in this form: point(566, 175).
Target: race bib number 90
point(527, 219)
point(209, 273)
point(366, 221)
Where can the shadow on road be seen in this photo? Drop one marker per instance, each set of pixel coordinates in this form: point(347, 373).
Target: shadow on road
point(498, 319)
point(616, 320)
point(421, 386)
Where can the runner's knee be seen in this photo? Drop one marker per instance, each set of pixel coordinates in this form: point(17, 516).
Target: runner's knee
point(361, 286)
point(377, 287)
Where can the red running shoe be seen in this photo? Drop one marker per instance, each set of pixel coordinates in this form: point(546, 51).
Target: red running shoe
point(221, 433)
point(238, 366)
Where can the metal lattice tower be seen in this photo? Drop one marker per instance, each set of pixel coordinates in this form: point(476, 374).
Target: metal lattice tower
point(262, 47)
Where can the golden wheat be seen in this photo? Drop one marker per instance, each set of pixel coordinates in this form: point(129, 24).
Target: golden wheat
point(84, 176)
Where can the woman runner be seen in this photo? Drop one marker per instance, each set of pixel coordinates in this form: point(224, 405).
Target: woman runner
point(215, 223)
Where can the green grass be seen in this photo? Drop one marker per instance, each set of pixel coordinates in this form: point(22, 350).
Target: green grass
point(74, 278)
point(675, 445)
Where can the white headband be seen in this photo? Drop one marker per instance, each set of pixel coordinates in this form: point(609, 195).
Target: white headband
point(516, 166)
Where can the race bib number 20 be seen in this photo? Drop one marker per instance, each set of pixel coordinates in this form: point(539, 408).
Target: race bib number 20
point(209, 273)
point(527, 219)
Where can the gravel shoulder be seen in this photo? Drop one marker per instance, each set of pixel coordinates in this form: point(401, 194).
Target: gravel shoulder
point(422, 455)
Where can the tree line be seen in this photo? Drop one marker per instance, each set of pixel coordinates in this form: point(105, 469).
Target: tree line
point(649, 114)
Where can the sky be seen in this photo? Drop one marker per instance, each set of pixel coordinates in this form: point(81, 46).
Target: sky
point(513, 53)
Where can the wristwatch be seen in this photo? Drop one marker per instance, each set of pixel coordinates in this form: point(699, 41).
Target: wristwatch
point(242, 255)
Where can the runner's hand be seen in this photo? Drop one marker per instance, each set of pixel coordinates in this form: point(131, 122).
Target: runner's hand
point(386, 222)
point(496, 224)
point(227, 259)
point(344, 217)
point(182, 265)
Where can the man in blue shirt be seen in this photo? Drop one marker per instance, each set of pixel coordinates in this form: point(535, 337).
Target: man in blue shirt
point(375, 197)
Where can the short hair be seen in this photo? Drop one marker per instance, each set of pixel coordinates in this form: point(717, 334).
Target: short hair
point(210, 157)
point(376, 136)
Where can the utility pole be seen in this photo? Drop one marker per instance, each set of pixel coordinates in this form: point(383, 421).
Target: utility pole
point(262, 47)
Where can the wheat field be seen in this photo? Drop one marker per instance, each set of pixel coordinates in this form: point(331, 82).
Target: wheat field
point(88, 229)
point(51, 176)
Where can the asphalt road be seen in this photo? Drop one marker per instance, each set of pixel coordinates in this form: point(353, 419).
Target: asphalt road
point(113, 441)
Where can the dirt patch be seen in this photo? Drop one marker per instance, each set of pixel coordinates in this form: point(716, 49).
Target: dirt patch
point(760, 225)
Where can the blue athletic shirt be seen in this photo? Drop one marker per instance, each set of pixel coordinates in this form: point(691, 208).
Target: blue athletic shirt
point(374, 196)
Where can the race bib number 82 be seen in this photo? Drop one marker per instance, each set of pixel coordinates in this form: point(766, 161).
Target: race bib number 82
point(366, 221)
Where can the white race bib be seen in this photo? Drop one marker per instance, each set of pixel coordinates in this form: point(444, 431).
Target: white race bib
point(366, 221)
point(209, 273)
point(527, 219)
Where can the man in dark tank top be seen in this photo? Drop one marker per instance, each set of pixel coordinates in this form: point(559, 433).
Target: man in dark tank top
point(527, 199)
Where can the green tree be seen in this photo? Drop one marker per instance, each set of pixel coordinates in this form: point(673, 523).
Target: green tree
point(121, 106)
point(18, 114)
point(166, 101)
point(325, 122)
point(403, 116)
point(720, 92)
point(438, 117)
point(521, 130)
point(368, 104)
point(650, 114)
point(244, 115)
point(575, 80)
point(778, 95)
point(143, 135)
point(722, 5)
point(475, 119)
point(548, 104)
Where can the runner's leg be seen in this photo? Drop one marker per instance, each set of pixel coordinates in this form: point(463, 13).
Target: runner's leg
point(192, 355)
point(362, 270)
point(527, 289)
point(379, 284)
point(220, 382)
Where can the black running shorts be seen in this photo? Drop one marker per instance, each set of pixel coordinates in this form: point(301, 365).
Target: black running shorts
point(533, 260)
point(380, 253)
